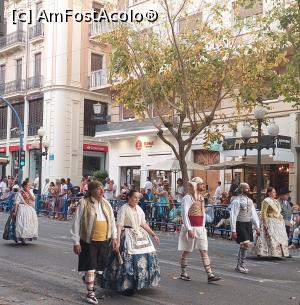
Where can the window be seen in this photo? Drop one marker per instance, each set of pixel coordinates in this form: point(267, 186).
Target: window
point(165, 110)
point(2, 74)
point(191, 22)
point(89, 122)
point(126, 114)
point(243, 12)
point(96, 62)
point(38, 8)
point(19, 69)
point(3, 122)
point(35, 116)
point(37, 64)
point(14, 124)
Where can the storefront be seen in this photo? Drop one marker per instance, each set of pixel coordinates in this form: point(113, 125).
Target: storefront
point(94, 158)
point(3, 166)
point(276, 172)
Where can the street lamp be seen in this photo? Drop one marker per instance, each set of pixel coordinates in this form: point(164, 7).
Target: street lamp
point(40, 153)
point(246, 131)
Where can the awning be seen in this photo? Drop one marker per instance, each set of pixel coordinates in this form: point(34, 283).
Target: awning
point(249, 161)
point(173, 165)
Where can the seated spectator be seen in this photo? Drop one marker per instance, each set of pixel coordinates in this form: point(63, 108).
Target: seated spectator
point(150, 195)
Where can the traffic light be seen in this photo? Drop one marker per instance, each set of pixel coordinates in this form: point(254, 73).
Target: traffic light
point(22, 158)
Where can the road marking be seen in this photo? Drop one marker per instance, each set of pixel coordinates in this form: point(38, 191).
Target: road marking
point(231, 274)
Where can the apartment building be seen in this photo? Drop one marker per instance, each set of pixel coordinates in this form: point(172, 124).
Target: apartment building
point(133, 145)
point(53, 73)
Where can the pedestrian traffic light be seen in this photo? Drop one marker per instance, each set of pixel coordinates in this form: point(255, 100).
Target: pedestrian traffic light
point(22, 158)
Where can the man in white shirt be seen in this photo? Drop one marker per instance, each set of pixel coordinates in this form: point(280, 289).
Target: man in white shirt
point(93, 229)
point(193, 235)
point(3, 185)
point(218, 193)
point(148, 184)
point(242, 217)
point(45, 190)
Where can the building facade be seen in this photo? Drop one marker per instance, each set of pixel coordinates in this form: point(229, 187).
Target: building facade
point(133, 145)
point(50, 72)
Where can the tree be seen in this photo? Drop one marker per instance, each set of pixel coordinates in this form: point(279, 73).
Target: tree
point(187, 76)
point(288, 38)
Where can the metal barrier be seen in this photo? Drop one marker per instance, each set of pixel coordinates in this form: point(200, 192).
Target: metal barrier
point(160, 216)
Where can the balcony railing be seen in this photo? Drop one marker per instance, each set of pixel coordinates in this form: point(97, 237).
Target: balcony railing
point(3, 134)
point(33, 128)
point(14, 86)
point(36, 31)
point(98, 78)
point(34, 82)
point(98, 28)
point(11, 39)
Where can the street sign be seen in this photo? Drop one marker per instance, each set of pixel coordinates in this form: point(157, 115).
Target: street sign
point(51, 157)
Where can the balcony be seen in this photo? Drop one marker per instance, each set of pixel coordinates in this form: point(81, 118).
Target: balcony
point(36, 32)
point(12, 42)
point(98, 28)
point(34, 83)
point(33, 128)
point(98, 80)
point(14, 88)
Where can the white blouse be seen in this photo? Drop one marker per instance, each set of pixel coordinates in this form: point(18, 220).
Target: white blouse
point(131, 217)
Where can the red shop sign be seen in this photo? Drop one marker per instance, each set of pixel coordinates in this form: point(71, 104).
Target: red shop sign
point(14, 148)
point(2, 149)
point(93, 147)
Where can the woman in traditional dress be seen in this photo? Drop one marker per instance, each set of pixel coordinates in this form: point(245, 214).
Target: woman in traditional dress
point(26, 221)
point(134, 265)
point(273, 240)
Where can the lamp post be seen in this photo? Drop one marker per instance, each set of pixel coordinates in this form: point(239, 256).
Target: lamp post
point(40, 153)
point(246, 131)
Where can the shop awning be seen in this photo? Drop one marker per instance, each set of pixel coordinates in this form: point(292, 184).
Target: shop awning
point(249, 161)
point(173, 165)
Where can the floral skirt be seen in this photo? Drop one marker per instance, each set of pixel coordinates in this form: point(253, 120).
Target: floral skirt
point(274, 241)
point(137, 271)
point(26, 223)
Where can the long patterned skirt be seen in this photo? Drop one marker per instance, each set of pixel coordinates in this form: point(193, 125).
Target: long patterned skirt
point(137, 271)
point(274, 241)
point(26, 223)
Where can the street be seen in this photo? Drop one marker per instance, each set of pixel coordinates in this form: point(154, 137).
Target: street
point(44, 272)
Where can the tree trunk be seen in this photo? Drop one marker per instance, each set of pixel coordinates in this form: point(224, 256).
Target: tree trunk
point(183, 168)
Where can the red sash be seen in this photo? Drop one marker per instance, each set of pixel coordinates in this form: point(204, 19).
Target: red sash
point(196, 221)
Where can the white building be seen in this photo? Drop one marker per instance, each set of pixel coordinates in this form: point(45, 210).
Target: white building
point(133, 145)
point(50, 72)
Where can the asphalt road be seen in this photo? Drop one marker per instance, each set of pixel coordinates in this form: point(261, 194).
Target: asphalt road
point(44, 272)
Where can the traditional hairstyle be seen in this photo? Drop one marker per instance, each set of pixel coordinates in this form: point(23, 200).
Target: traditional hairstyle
point(130, 194)
point(92, 186)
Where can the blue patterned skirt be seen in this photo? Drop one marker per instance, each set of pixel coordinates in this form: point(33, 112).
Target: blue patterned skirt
point(138, 271)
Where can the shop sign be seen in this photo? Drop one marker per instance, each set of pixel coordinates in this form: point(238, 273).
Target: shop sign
point(94, 147)
point(2, 149)
point(138, 144)
point(148, 143)
point(51, 157)
point(238, 143)
point(14, 148)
